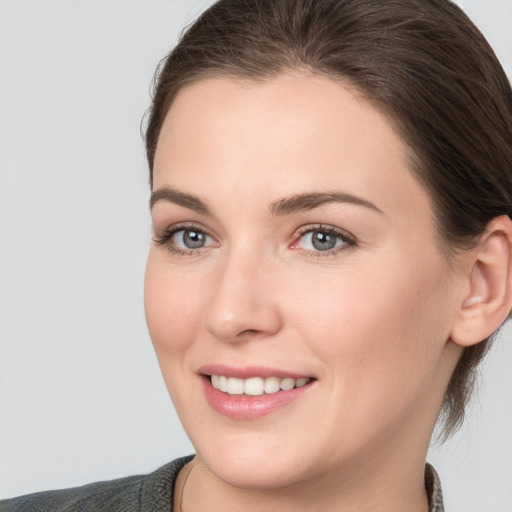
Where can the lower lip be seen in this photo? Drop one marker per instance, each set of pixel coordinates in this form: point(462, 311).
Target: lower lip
point(246, 407)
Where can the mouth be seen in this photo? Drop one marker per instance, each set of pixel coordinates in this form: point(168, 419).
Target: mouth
point(249, 394)
point(256, 386)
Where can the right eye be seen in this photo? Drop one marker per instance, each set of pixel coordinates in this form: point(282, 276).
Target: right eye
point(190, 239)
point(185, 240)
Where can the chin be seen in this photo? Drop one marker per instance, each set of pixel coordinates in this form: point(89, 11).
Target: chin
point(257, 471)
point(254, 459)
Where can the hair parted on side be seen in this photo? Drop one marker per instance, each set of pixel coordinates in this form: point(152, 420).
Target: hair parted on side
point(421, 62)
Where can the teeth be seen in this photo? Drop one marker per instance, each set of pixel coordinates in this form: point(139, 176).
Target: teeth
point(287, 384)
point(301, 382)
point(271, 385)
point(256, 385)
point(235, 386)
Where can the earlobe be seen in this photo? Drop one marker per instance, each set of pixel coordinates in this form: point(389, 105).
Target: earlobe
point(489, 300)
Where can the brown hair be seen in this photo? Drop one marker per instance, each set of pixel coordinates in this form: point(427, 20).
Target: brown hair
point(422, 62)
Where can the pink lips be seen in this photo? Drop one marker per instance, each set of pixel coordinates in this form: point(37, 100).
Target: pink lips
point(244, 407)
point(247, 372)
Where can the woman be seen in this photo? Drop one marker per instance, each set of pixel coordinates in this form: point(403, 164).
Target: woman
point(331, 210)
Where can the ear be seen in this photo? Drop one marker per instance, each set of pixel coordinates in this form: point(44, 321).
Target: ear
point(489, 300)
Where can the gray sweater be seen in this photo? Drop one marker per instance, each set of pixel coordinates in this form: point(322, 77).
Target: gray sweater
point(143, 493)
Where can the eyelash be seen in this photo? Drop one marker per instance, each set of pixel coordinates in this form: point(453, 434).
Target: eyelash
point(348, 240)
point(166, 237)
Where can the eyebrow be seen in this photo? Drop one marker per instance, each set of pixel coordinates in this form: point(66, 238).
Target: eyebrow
point(180, 198)
point(311, 200)
point(284, 206)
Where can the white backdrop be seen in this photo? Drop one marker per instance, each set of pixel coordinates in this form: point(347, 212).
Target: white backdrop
point(81, 397)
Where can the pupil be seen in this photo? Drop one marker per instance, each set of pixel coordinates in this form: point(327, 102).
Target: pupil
point(323, 241)
point(193, 239)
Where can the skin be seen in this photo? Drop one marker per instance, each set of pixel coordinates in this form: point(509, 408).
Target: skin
point(370, 321)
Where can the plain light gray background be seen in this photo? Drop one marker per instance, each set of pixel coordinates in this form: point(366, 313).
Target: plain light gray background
point(81, 396)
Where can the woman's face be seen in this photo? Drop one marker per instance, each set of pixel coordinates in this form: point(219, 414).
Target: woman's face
point(294, 247)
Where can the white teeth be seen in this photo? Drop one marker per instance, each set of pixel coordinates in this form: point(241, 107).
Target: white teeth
point(256, 385)
point(301, 382)
point(287, 384)
point(271, 385)
point(235, 386)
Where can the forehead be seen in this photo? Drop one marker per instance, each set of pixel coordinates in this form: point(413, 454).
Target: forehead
point(297, 132)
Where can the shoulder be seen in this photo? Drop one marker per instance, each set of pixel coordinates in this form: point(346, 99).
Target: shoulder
point(120, 494)
point(144, 493)
point(433, 488)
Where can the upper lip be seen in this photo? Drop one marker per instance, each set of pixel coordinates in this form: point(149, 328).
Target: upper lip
point(246, 372)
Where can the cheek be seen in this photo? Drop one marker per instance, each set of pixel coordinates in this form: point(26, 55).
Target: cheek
point(171, 306)
point(381, 329)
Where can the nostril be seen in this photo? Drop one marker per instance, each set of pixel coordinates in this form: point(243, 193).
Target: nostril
point(248, 332)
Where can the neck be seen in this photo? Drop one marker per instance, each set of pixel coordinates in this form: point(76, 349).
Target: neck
point(388, 487)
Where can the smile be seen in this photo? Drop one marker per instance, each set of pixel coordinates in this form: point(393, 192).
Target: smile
point(252, 393)
point(256, 386)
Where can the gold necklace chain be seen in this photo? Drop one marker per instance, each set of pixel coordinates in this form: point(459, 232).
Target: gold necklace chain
point(183, 486)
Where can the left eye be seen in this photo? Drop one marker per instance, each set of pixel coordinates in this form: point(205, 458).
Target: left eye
point(322, 239)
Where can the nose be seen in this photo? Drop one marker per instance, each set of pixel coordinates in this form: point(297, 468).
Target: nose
point(244, 304)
